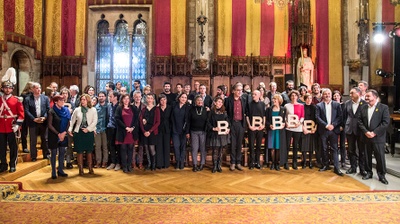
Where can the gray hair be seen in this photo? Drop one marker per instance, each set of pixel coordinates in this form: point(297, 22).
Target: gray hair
point(75, 88)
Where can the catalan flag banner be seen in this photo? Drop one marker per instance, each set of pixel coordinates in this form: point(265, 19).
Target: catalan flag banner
point(255, 28)
point(252, 28)
point(65, 27)
point(170, 27)
point(21, 22)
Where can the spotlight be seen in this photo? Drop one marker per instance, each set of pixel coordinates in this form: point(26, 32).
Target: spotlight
point(382, 73)
point(395, 32)
point(379, 36)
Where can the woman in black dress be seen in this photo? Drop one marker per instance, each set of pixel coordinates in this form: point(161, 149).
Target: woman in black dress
point(58, 123)
point(126, 131)
point(308, 137)
point(149, 121)
point(218, 139)
point(180, 130)
point(164, 134)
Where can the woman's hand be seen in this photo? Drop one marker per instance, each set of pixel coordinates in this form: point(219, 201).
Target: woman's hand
point(85, 130)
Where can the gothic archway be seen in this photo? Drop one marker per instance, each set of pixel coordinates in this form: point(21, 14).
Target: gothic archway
point(22, 63)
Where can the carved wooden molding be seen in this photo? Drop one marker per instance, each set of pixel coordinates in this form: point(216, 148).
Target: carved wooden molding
point(62, 66)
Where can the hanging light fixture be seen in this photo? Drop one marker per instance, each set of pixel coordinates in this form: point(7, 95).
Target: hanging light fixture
point(279, 3)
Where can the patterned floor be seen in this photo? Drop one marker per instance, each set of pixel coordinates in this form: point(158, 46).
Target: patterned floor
point(20, 206)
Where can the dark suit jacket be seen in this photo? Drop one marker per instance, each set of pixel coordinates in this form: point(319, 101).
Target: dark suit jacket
point(30, 109)
point(379, 122)
point(229, 104)
point(77, 102)
point(350, 119)
point(336, 119)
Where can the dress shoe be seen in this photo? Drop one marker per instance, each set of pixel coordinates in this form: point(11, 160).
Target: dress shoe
point(33, 159)
point(383, 180)
point(125, 170)
point(12, 170)
point(194, 168)
point(3, 169)
point(201, 167)
point(277, 168)
point(232, 167)
point(251, 167)
point(351, 171)
point(69, 166)
point(239, 167)
point(257, 166)
point(53, 177)
point(272, 167)
point(338, 172)
point(130, 169)
point(367, 176)
point(324, 168)
point(310, 166)
point(294, 166)
point(25, 151)
point(286, 166)
point(304, 166)
point(62, 174)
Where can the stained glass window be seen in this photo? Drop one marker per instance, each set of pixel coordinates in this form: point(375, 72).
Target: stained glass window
point(121, 54)
point(104, 41)
point(139, 52)
point(118, 59)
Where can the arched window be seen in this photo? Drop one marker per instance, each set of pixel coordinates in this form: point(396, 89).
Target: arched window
point(114, 52)
point(103, 66)
point(139, 51)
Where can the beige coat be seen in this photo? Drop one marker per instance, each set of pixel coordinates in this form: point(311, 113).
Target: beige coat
point(91, 117)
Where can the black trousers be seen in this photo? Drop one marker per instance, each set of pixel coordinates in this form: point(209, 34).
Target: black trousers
point(356, 152)
point(237, 135)
point(163, 149)
point(296, 143)
point(379, 152)
point(255, 154)
point(114, 152)
point(8, 138)
point(39, 129)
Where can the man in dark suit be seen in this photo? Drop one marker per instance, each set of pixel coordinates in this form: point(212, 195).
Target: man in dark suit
point(207, 101)
point(350, 117)
point(235, 106)
point(74, 99)
point(373, 121)
point(36, 107)
point(329, 118)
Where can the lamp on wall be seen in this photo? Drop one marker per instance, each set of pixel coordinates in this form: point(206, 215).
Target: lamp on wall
point(395, 2)
point(379, 30)
point(279, 3)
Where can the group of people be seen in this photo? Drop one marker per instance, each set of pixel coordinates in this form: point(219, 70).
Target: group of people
point(113, 121)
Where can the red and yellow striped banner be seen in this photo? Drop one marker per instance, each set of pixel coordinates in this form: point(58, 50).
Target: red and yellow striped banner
point(247, 28)
point(170, 27)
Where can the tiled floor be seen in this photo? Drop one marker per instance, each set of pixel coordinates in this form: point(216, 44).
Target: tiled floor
point(393, 175)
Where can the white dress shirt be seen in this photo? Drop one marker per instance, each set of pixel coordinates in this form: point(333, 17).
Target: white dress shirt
point(371, 111)
point(328, 110)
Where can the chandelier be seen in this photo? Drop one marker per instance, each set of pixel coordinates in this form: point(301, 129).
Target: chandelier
point(279, 3)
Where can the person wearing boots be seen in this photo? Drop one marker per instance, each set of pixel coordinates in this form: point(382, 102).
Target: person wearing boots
point(81, 127)
point(308, 137)
point(126, 134)
point(219, 136)
point(256, 123)
point(198, 116)
point(149, 121)
point(276, 132)
point(11, 118)
point(58, 123)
